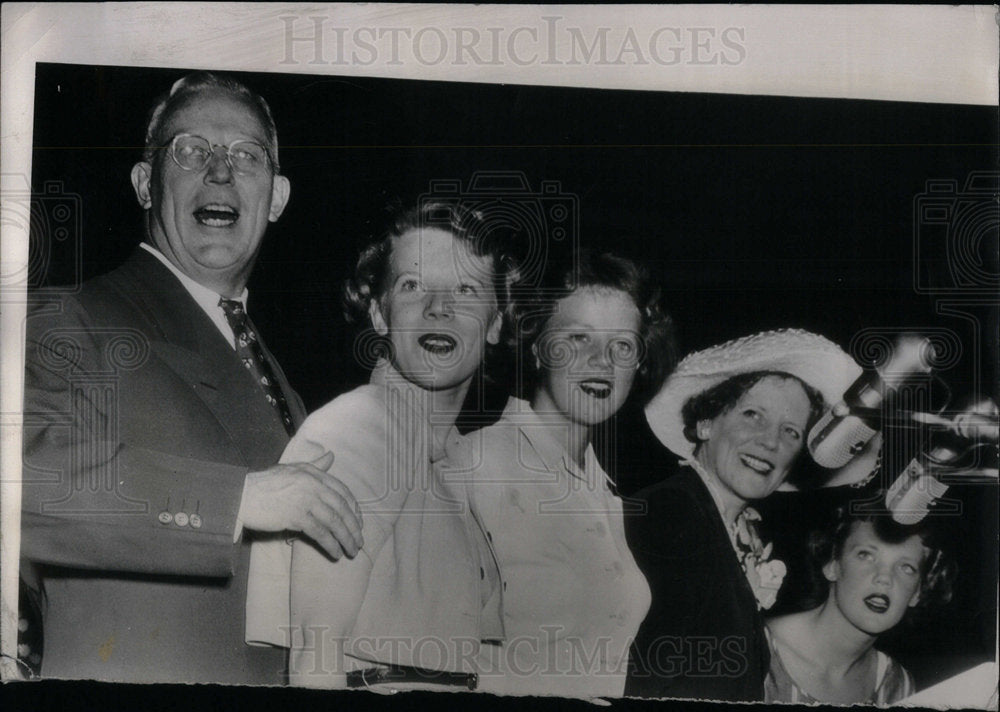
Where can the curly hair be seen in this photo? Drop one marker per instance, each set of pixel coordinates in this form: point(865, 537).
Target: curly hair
point(370, 280)
point(720, 398)
point(189, 87)
point(937, 572)
point(658, 347)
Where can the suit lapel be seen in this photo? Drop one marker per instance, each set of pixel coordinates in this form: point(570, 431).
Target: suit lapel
point(722, 543)
point(732, 570)
point(189, 344)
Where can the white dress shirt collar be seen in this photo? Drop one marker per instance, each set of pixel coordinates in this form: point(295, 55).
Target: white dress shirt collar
point(203, 296)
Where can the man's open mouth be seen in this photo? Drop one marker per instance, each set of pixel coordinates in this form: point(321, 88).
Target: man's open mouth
point(758, 465)
point(596, 388)
point(437, 343)
point(877, 602)
point(216, 215)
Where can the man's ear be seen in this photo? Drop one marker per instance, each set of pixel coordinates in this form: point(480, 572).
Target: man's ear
point(142, 174)
point(280, 190)
point(831, 571)
point(378, 321)
point(704, 429)
point(534, 352)
point(493, 330)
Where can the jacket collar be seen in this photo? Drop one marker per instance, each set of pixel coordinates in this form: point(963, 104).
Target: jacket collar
point(416, 402)
point(539, 437)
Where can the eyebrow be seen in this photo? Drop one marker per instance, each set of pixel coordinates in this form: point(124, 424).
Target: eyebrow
point(584, 326)
point(759, 406)
point(460, 280)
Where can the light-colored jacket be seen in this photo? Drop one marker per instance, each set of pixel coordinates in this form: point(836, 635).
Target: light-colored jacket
point(432, 592)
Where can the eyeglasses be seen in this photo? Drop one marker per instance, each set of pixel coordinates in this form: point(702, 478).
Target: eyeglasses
point(193, 153)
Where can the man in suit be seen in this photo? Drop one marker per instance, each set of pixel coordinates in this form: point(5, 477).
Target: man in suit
point(154, 416)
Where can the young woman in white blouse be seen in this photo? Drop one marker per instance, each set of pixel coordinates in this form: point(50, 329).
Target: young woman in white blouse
point(573, 596)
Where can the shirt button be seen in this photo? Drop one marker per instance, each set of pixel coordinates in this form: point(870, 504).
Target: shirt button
point(165, 517)
point(195, 521)
point(181, 519)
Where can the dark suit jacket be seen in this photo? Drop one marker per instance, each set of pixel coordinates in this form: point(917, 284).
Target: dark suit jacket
point(703, 637)
point(136, 408)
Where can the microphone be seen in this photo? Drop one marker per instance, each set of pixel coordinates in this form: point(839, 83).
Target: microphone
point(919, 485)
point(849, 425)
point(970, 424)
point(917, 488)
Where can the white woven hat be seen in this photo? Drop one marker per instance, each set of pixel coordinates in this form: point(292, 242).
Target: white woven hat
point(811, 357)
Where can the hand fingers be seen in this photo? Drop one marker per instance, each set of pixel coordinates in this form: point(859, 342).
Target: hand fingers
point(329, 482)
point(318, 533)
point(335, 485)
point(346, 511)
point(331, 520)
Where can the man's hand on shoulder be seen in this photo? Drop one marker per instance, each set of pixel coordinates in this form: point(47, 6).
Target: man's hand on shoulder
point(303, 497)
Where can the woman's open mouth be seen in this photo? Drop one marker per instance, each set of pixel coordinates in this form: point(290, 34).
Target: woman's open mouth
point(596, 388)
point(877, 602)
point(439, 344)
point(758, 465)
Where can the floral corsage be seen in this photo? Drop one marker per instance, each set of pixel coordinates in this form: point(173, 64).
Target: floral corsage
point(763, 573)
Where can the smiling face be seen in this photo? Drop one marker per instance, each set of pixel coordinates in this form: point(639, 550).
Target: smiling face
point(588, 355)
point(873, 582)
point(751, 447)
point(438, 309)
point(210, 223)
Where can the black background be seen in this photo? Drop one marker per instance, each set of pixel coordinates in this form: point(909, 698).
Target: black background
point(752, 212)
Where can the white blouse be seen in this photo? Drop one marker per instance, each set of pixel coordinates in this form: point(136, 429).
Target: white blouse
point(573, 594)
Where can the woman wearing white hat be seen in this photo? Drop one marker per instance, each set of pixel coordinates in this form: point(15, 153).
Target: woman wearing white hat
point(739, 415)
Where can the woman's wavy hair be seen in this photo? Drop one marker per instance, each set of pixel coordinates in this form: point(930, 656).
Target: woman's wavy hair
point(937, 572)
point(722, 397)
point(531, 314)
point(370, 280)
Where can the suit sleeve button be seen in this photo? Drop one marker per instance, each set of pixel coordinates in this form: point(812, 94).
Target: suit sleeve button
point(165, 517)
point(181, 519)
point(195, 521)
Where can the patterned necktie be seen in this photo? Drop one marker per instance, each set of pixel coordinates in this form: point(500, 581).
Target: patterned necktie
point(250, 353)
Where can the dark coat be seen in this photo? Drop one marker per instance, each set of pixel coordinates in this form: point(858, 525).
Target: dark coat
point(136, 408)
point(703, 637)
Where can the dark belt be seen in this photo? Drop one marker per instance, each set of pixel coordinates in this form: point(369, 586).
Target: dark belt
point(402, 674)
